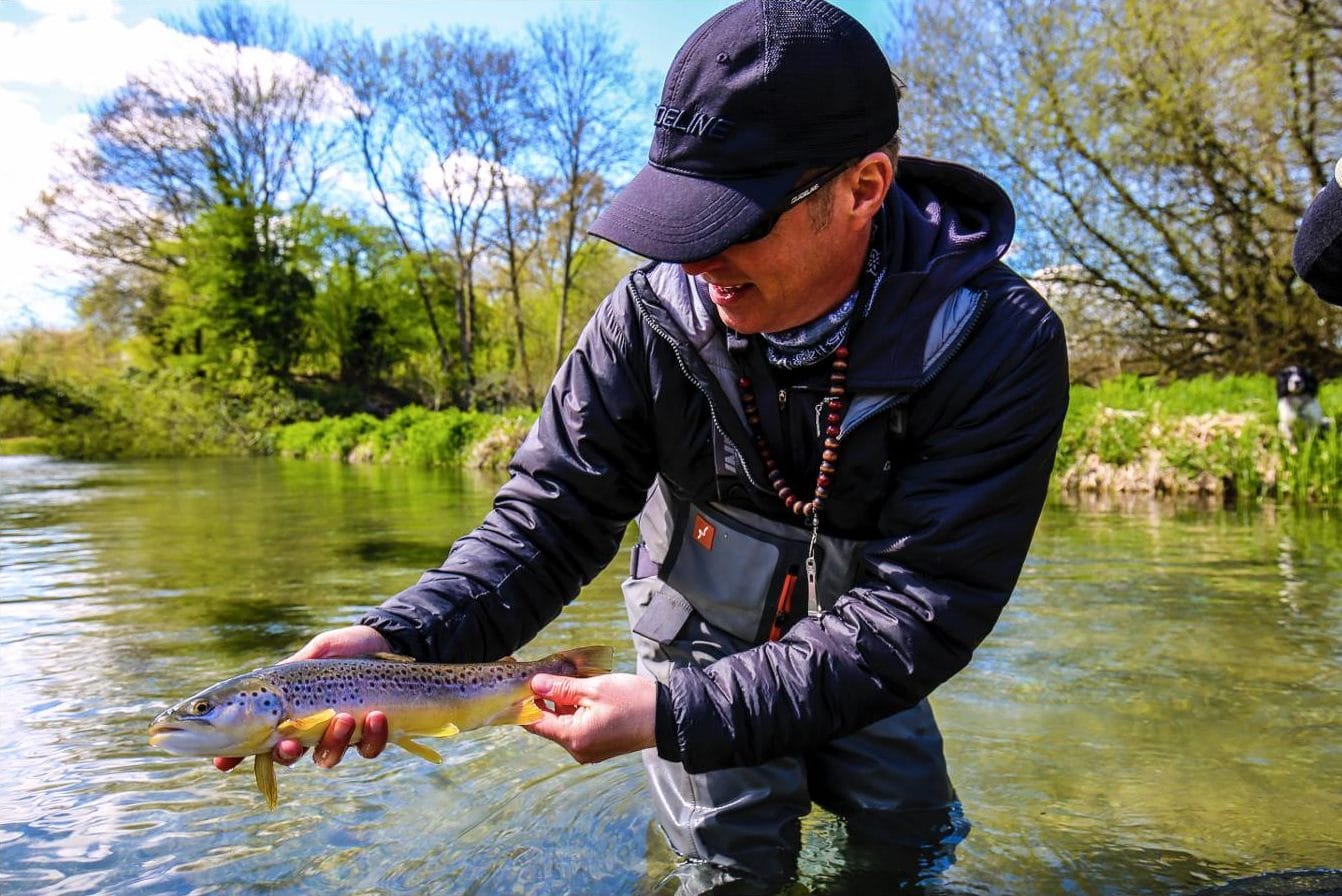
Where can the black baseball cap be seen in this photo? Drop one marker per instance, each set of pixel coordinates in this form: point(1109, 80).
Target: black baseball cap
point(1318, 245)
point(763, 92)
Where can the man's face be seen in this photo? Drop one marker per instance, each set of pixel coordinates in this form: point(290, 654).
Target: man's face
point(806, 265)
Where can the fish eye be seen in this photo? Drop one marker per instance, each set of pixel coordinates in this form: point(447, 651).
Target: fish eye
point(200, 707)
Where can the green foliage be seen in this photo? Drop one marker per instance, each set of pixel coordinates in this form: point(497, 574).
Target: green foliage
point(413, 436)
point(1204, 435)
point(174, 413)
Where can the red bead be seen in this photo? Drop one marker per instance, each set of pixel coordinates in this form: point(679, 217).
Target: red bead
point(841, 352)
point(832, 431)
point(833, 418)
point(823, 481)
point(743, 383)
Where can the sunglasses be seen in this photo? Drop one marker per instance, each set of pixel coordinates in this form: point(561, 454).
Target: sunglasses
point(766, 224)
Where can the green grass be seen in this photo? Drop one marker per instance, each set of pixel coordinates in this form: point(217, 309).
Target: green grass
point(1199, 436)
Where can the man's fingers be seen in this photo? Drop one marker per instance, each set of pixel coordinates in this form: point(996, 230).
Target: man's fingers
point(287, 752)
point(560, 690)
point(335, 741)
point(374, 738)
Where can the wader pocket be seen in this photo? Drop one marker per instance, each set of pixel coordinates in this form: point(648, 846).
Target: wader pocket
point(736, 576)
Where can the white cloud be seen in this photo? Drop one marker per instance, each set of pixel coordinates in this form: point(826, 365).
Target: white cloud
point(74, 52)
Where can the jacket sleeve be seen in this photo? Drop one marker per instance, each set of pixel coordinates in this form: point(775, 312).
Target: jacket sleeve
point(961, 520)
point(579, 477)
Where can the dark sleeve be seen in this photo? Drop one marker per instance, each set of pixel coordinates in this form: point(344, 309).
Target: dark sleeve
point(962, 518)
point(578, 479)
point(1318, 246)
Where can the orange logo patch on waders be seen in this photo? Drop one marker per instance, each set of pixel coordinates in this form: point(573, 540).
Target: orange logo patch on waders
point(703, 532)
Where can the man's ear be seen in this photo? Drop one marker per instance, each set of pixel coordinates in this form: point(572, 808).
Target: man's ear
point(870, 182)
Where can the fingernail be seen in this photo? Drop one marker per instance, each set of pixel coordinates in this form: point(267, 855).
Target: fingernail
point(321, 756)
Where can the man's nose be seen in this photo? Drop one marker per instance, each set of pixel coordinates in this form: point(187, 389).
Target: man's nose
point(702, 266)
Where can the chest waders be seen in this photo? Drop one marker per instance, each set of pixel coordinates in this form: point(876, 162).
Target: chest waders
point(709, 580)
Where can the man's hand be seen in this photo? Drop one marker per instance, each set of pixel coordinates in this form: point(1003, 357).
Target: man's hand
point(597, 718)
point(354, 640)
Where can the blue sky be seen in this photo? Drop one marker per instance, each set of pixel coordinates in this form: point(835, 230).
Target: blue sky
point(58, 56)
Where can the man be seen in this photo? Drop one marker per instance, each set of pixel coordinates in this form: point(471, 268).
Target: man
point(833, 411)
point(1318, 244)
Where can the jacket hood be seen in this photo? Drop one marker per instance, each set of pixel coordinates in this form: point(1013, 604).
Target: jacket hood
point(949, 224)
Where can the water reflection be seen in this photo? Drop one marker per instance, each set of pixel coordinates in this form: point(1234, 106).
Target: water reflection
point(1156, 712)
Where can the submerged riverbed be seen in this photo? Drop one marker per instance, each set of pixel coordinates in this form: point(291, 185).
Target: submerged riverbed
point(1157, 712)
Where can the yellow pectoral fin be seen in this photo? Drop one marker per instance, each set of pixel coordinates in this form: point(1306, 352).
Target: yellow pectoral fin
point(298, 728)
point(523, 712)
point(423, 752)
point(265, 780)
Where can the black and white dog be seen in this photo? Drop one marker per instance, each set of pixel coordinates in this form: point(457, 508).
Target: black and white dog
point(1298, 411)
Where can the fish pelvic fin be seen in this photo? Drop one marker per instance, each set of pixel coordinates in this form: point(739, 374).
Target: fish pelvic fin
point(589, 661)
point(305, 725)
point(265, 779)
point(411, 745)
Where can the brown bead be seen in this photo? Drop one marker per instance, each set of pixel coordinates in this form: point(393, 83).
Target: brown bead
point(835, 391)
point(829, 456)
point(827, 467)
point(839, 364)
point(820, 493)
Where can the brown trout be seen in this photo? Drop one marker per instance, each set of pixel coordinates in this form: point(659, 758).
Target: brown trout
point(249, 714)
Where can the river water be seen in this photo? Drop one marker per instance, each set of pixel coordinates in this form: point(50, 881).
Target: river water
point(1159, 710)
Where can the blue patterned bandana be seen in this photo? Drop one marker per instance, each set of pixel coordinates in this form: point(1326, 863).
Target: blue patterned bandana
point(813, 342)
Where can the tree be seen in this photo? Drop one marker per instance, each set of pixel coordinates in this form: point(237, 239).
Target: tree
point(1162, 154)
point(584, 96)
point(232, 146)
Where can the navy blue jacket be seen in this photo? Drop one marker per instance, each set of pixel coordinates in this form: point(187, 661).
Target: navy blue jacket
point(948, 508)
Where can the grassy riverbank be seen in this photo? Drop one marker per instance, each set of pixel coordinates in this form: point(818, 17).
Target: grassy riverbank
point(412, 435)
point(1202, 436)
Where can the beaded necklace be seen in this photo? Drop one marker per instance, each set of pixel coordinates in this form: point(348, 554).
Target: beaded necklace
point(834, 406)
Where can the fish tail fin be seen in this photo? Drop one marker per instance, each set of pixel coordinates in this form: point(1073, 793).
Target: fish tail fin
point(589, 662)
point(265, 780)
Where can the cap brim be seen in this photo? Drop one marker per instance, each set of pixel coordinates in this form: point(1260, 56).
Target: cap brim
point(668, 216)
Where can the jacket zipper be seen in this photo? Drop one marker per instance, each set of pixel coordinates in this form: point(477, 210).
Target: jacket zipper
point(694, 380)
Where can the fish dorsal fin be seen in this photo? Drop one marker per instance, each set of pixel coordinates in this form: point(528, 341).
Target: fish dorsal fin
point(508, 659)
point(423, 752)
point(305, 725)
point(265, 779)
point(387, 657)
